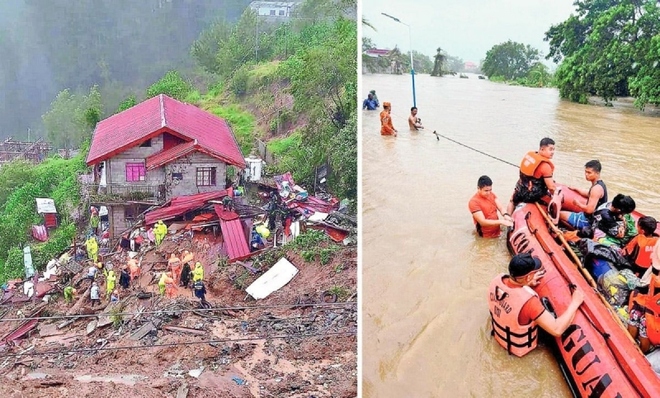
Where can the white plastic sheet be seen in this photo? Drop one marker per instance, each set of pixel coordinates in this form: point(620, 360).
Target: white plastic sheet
point(274, 279)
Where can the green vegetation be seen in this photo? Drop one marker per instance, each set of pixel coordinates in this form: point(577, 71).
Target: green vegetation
point(72, 118)
point(309, 62)
point(313, 58)
point(516, 63)
point(20, 185)
point(240, 121)
point(172, 85)
point(608, 49)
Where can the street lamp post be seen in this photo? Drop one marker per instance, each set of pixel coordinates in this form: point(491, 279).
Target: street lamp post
point(412, 67)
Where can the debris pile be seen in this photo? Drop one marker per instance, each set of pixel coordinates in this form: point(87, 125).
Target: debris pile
point(183, 303)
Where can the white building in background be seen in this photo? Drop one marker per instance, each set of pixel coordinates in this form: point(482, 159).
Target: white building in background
point(281, 9)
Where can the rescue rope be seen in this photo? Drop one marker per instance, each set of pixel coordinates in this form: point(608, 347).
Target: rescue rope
point(216, 341)
point(165, 310)
point(474, 149)
point(438, 135)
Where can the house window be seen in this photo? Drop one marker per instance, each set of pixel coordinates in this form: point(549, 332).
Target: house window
point(272, 12)
point(146, 144)
point(135, 172)
point(281, 12)
point(205, 176)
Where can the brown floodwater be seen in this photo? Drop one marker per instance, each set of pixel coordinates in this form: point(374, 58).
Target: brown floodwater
point(425, 324)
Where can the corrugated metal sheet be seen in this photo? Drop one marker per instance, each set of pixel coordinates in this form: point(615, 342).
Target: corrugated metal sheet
point(161, 114)
point(40, 233)
point(233, 234)
point(182, 204)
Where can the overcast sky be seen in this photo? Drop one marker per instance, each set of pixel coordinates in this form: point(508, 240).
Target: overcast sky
point(463, 28)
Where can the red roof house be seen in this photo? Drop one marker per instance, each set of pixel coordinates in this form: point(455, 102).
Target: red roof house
point(162, 148)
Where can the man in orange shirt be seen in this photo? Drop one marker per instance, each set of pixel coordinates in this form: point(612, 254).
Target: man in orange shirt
point(386, 127)
point(484, 207)
point(535, 180)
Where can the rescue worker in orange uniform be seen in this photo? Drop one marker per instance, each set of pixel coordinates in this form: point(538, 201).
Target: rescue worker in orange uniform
point(175, 266)
point(639, 249)
point(386, 127)
point(536, 170)
point(516, 310)
point(170, 286)
point(134, 268)
point(644, 319)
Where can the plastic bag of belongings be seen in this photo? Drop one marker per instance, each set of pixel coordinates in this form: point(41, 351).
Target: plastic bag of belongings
point(616, 286)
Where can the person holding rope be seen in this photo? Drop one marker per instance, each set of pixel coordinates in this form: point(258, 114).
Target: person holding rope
point(386, 127)
point(414, 122)
point(484, 207)
point(535, 181)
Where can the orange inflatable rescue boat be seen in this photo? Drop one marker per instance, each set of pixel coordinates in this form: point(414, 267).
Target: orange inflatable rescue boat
point(600, 358)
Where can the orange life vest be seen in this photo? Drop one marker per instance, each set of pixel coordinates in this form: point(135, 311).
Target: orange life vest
point(505, 304)
point(651, 304)
point(531, 162)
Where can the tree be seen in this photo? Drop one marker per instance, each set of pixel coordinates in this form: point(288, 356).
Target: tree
point(422, 62)
point(607, 50)
point(510, 60)
point(72, 118)
point(172, 84)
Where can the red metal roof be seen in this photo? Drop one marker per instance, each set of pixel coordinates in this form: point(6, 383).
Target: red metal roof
point(162, 158)
point(233, 235)
point(182, 204)
point(160, 114)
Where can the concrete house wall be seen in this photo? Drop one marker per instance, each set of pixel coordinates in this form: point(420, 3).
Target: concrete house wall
point(187, 167)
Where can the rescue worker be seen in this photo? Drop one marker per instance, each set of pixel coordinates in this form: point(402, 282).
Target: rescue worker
point(644, 320)
point(185, 275)
point(95, 294)
point(69, 293)
point(198, 272)
point(92, 248)
point(94, 220)
point(227, 203)
point(516, 310)
point(160, 230)
point(91, 273)
point(199, 290)
point(161, 283)
point(386, 127)
point(536, 170)
point(110, 281)
point(114, 297)
point(124, 278)
point(638, 250)
point(175, 266)
point(134, 269)
point(170, 285)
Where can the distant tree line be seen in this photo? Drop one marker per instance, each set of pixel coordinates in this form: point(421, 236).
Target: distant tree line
point(608, 49)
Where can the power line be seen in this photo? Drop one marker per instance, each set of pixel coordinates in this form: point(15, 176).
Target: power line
point(133, 347)
point(179, 310)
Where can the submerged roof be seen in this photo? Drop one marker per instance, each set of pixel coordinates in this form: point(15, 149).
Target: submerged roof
point(160, 114)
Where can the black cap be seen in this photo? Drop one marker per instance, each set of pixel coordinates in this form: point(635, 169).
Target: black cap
point(522, 264)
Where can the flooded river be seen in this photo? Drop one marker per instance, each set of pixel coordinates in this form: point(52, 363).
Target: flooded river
point(425, 328)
